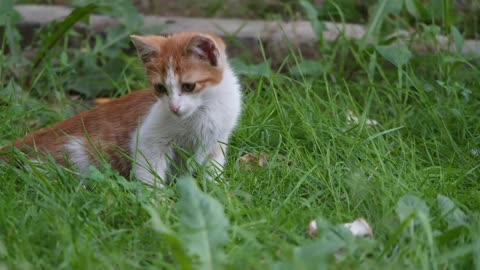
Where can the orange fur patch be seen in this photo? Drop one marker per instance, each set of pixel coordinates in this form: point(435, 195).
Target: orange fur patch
point(108, 127)
point(186, 66)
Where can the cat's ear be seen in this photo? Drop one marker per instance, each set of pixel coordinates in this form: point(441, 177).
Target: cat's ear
point(147, 47)
point(204, 48)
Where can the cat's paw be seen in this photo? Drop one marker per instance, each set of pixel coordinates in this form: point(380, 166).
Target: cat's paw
point(149, 178)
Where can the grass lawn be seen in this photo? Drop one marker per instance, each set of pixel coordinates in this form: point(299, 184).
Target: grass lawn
point(379, 132)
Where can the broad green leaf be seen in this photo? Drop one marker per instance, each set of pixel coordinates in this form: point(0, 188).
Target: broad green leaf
point(410, 204)
point(91, 79)
point(416, 9)
point(308, 68)
point(398, 55)
point(172, 238)
point(394, 6)
point(452, 214)
point(314, 255)
point(64, 59)
point(458, 39)
point(13, 93)
point(430, 32)
point(113, 39)
point(203, 225)
point(91, 84)
point(451, 234)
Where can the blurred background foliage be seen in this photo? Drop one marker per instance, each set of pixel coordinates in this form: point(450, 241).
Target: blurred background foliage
point(106, 65)
point(462, 13)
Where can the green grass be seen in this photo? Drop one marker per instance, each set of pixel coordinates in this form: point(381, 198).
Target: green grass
point(319, 165)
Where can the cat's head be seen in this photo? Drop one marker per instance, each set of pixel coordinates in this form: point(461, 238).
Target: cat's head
point(182, 67)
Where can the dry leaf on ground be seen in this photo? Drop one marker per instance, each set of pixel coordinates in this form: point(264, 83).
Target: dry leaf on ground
point(352, 118)
point(100, 101)
point(256, 159)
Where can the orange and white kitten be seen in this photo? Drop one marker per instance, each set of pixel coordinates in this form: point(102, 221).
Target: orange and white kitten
point(194, 107)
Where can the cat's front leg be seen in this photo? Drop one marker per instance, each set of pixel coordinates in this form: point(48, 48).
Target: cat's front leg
point(149, 175)
point(217, 155)
point(213, 161)
point(150, 167)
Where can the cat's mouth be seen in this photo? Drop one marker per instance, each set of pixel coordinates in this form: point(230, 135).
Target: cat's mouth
point(182, 114)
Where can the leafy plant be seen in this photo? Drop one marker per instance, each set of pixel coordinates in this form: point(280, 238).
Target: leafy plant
point(203, 228)
point(451, 213)
point(409, 206)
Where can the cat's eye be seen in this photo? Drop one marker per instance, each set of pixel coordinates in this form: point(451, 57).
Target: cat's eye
point(188, 87)
point(160, 88)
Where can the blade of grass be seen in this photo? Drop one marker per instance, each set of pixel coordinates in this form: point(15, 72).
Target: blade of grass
point(375, 24)
point(376, 135)
point(63, 26)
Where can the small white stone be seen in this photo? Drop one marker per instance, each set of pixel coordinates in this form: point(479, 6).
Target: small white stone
point(360, 227)
point(352, 118)
point(371, 122)
point(312, 228)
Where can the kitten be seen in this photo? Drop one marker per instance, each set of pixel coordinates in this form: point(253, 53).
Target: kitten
point(194, 107)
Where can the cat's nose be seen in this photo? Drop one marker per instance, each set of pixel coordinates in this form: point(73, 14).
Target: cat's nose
point(174, 108)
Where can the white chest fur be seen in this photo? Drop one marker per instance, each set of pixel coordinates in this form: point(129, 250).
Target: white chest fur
point(204, 134)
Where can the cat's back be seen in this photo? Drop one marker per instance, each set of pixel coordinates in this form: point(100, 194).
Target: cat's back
point(112, 122)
